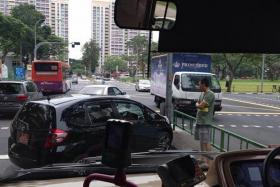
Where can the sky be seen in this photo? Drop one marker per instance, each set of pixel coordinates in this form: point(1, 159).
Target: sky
point(79, 25)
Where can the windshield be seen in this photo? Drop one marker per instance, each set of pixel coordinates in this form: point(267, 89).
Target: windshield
point(190, 82)
point(110, 72)
point(144, 82)
point(92, 91)
point(11, 88)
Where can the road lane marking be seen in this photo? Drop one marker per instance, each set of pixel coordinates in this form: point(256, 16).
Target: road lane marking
point(252, 103)
point(263, 98)
point(249, 107)
point(233, 125)
point(4, 157)
point(221, 125)
point(4, 128)
point(245, 126)
point(269, 127)
point(257, 126)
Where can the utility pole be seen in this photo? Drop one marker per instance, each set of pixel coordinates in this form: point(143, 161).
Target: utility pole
point(263, 61)
point(35, 31)
point(169, 77)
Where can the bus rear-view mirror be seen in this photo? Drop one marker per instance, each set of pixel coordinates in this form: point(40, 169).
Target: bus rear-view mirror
point(145, 14)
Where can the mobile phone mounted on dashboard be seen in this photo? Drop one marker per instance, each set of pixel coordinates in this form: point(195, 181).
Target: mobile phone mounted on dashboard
point(116, 153)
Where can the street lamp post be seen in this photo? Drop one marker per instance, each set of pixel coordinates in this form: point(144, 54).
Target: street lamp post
point(35, 31)
point(262, 76)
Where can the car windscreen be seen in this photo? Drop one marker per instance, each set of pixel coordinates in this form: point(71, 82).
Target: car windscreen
point(144, 82)
point(11, 88)
point(190, 82)
point(92, 91)
point(37, 116)
point(46, 67)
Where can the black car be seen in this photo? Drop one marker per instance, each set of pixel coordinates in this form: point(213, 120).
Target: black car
point(13, 94)
point(71, 128)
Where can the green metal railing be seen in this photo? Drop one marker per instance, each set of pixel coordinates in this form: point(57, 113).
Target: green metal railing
point(221, 139)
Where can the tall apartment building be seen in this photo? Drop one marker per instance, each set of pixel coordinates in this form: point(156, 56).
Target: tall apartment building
point(101, 27)
point(59, 18)
point(110, 38)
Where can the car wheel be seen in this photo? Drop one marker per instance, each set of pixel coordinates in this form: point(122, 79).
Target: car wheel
point(164, 141)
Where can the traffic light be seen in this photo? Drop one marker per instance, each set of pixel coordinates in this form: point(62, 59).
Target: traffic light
point(75, 43)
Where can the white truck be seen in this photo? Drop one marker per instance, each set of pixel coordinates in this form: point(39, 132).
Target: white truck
point(187, 70)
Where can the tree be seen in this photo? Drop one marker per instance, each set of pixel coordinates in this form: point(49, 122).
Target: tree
point(77, 66)
point(30, 16)
point(272, 67)
point(112, 62)
point(90, 55)
point(27, 14)
point(56, 51)
point(12, 33)
point(231, 62)
point(139, 45)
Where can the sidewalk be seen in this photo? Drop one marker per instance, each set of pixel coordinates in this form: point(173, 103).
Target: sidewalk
point(183, 140)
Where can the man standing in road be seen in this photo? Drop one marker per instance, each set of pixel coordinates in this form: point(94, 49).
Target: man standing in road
point(204, 116)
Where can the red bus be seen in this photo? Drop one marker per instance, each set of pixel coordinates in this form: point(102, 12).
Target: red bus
point(51, 76)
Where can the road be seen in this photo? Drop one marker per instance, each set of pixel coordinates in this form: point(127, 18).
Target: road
point(253, 116)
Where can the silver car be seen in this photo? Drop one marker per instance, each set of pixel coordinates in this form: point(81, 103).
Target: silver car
point(143, 85)
point(106, 90)
point(13, 94)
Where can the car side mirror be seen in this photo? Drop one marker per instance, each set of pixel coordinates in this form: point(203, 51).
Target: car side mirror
point(123, 93)
point(145, 14)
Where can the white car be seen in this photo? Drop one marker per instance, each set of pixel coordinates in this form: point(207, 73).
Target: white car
point(143, 85)
point(106, 90)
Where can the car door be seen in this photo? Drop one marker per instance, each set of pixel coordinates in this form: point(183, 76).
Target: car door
point(98, 112)
point(158, 124)
point(77, 122)
point(143, 133)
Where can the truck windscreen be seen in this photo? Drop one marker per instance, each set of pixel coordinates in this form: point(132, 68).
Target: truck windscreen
point(190, 82)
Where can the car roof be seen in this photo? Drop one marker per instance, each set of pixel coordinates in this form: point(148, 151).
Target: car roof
point(97, 86)
point(14, 82)
point(68, 100)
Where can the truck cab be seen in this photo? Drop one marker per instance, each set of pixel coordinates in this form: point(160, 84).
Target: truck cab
point(186, 90)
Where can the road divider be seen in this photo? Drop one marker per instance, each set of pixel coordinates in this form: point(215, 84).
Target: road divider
point(221, 139)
